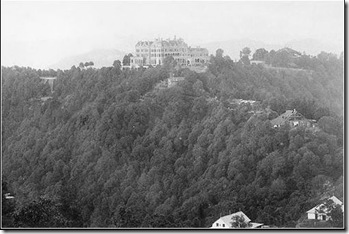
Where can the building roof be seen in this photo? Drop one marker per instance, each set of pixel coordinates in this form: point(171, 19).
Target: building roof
point(336, 200)
point(144, 43)
point(255, 225)
point(240, 101)
point(317, 209)
point(257, 61)
point(281, 119)
point(198, 49)
point(227, 219)
point(48, 77)
point(161, 42)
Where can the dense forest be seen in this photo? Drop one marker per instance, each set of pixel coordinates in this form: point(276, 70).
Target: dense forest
point(109, 150)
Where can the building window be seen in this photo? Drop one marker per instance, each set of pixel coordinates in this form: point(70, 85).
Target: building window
point(223, 225)
point(217, 224)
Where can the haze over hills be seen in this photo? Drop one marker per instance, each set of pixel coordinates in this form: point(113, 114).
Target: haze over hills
point(232, 48)
point(106, 57)
point(100, 58)
point(314, 47)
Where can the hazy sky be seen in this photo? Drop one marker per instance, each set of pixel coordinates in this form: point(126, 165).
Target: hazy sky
point(40, 33)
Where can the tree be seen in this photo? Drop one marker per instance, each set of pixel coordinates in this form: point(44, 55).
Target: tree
point(117, 64)
point(169, 63)
point(126, 59)
point(219, 53)
point(281, 59)
point(81, 65)
point(245, 60)
point(40, 213)
point(245, 52)
point(238, 221)
point(260, 54)
point(244, 55)
point(7, 206)
point(337, 216)
point(334, 212)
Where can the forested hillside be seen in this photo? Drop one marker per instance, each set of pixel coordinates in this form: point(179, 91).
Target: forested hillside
point(108, 150)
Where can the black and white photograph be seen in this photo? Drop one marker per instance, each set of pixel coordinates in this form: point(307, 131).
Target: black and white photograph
point(173, 115)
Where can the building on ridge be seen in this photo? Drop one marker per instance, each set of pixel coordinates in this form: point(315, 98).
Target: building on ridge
point(154, 52)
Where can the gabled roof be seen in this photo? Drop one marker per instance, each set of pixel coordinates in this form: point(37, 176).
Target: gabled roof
point(255, 225)
point(144, 43)
point(336, 200)
point(227, 219)
point(317, 209)
point(281, 119)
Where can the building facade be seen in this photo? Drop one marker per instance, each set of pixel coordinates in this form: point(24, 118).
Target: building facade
point(226, 221)
point(154, 52)
point(293, 118)
point(319, 212)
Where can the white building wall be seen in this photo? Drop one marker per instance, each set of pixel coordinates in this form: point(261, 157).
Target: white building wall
point(219, 224)
point(311, 216)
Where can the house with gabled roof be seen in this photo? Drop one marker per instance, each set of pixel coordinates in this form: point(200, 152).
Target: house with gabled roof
point(226, 221)
point(293, 118)
point(320, 212)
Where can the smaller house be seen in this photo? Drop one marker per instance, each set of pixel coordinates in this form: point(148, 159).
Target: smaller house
point(49, 80)
point(9, 196)
point(293, 118)
point(242, 101)
point(320, 212)
point(225, 221)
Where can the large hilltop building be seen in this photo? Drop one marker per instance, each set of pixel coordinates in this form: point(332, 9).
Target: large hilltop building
point(154, 52)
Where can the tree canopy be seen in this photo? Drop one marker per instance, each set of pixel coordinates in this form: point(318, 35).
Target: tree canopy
point(109, 150)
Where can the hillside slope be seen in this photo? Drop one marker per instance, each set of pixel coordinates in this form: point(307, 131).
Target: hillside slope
point(110, 151)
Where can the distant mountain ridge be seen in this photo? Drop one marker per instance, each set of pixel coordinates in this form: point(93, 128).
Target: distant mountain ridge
point(232, 48)
point(100, 58)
